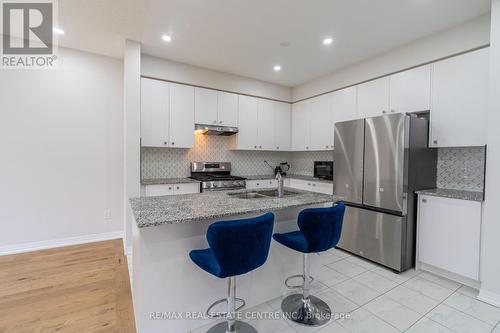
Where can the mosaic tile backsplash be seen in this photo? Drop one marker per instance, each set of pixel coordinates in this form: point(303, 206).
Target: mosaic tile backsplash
point(461, 168)
point(458, 168)
point(174, 162)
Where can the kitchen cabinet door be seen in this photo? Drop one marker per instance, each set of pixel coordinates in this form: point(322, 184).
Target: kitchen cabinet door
point(265, 125)
point(158, 190)
point(449, 234)
point(186, 188)
point(181, 116)
point(282, 125)
point(154, 113)
point(205, 101)
point(373, 98)
point(460, 100)
point(321, 131)
point(227, 109)
point(410, 91)
point(301, 125)
point(248, 109)
point(344, 104)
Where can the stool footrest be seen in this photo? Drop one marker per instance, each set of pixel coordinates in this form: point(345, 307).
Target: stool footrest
point(223, 314)
point(289, 286)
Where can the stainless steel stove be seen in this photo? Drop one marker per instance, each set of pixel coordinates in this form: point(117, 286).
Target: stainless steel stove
point(216, 176)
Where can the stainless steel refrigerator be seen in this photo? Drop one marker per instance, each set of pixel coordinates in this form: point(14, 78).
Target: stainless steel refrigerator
point(379, 163)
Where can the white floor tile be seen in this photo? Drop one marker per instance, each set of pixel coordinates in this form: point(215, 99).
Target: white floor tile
point(326, 258)
point(468, 291)
point(316, 288)
point(356, 292)
point(392, 312)
point(428, 288)
point(376, 281)
point(412, 299)
point(333, 327)
point(444, 282)
point(340, 253)
point(497, 329)
point(362, 262)
point(347, 268)
point(425, 325)
point(363, 321)
point(266, 320)
point(339, 304)
point(458, 321)
point(399, 278)
point(474, 307)
point(330, 277)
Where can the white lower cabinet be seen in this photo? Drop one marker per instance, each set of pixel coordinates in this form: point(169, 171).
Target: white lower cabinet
point(448, 235)
point(261, 183)
point(307, 185)
point(171, 189)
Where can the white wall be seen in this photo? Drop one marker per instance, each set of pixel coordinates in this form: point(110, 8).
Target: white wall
point(175, 71)
point(61, 148)
point(132, 130)
point(490, 245)
point(470, 35)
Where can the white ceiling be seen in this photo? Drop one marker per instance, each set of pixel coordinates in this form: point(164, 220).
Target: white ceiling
point(243, 36)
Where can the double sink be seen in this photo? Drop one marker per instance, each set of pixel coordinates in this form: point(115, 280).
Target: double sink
point(261, 194)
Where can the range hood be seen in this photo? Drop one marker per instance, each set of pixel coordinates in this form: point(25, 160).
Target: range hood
point(215, 130)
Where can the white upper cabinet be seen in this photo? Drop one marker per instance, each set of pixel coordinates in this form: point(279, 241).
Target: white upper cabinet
point(460, 100)
point(373, 98)
point(321, 131)
point(181, 116)
point(410, 91)
point(248, 110)
point(282, 125)
point(155, 120)
point(227, 109)
point(301, 125)
point(265, 125)
point(344, 104)
point(205, 101)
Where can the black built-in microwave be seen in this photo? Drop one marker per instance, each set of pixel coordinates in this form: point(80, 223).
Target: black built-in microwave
point(323, 169)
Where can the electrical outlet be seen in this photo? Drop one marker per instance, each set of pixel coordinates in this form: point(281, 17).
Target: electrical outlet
point(107, 214)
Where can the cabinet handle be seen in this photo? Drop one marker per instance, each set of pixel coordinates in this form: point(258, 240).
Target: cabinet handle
point(173, 143)
point(307, 147)
point(277, 147)
point(383, 111)
point(258, 184)
point(260, 147)
point(165, 143)
point(314, 184)
point(326, 146)
point(308, 184)
point(424, 200)
point(215, 121)
point(169, 188)
point(220, 121)
point(177, 187)
point(255, 146)
point(392, 110)
point(435, 142)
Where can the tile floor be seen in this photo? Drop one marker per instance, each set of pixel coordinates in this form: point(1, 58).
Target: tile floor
point(378, 300)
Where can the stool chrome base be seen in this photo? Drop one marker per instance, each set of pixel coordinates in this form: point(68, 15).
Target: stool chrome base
point(310, 312)
point(239, 327)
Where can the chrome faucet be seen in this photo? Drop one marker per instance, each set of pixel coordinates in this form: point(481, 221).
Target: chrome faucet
point(279, 178)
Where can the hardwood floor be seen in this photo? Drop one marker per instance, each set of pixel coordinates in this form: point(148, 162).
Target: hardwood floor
point(82, 288)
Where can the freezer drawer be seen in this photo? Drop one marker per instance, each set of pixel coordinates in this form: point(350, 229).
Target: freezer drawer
point(373, 235)
point(348, 157)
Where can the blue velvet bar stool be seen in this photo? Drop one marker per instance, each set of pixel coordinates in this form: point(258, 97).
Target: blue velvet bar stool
point(319, 230)
point(236, 247)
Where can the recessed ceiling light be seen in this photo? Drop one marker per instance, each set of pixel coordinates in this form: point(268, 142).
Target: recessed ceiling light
point(58, 31)
point(277, 68)
point(166, 38)
point(327, 41)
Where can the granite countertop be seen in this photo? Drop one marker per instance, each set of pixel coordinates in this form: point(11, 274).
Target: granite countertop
point(453, 194)
point(174, 209)
point(159, 181)
point(311, 178)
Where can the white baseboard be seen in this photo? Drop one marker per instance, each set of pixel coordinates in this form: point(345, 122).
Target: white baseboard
point(50, 244)
point(449, 275)
point(489, 297)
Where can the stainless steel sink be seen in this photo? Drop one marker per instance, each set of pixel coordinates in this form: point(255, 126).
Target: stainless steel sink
point(248, 195)
point(261, 194)
point(274, 193)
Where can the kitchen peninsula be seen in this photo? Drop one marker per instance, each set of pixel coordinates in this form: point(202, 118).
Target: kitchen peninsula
point(166, 228)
